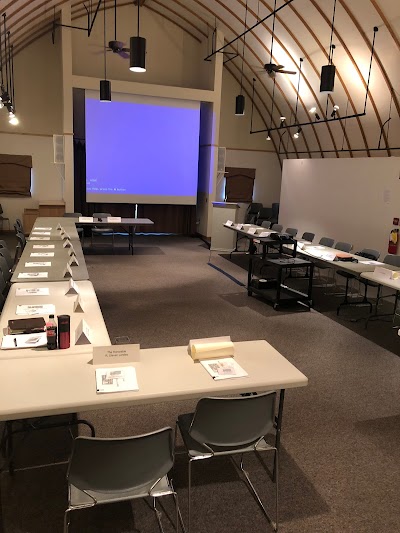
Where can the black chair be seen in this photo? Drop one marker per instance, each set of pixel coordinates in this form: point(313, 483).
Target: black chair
point(7, 256)
point(19, 224)
point(252, 213)
point(291, 231)
point(3, 219)
point(21, 243)
point(327, 241)
point(277, 227)
point(264, 213)
point(368, 253)
point(275, 213)
point(344, 246)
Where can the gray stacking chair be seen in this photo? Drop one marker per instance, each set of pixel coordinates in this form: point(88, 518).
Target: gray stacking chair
point(19, 224)
point(327, 241)
point(291, 231)
point(308, 236)
point(230, 426)
point(266, 224)
point(277, 227)
point(389, 259)
point(5, 269)
point(344, 246)
point(367, 253)
point(102, 230)
point(104, 471)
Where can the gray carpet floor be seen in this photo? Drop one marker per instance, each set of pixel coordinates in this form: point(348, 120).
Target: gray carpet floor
point(340, 459)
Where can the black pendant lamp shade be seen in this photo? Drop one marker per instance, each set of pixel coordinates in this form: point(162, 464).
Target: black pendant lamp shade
point(105, 91)
point(328, 79)
point(239, 108)
point(138, 54)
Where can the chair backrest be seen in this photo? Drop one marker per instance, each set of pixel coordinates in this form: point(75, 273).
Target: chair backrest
point(233, 421)
point(291, 231)
point(3, 283)
point(101, 215)
point(19, 224)
point(266, 224)
point(109, 465)
point(72, 215)
point(254, 208)
point(277, 227)
point(343, 246)
point(1, 209)
point(327, 241)
point(3, 244)
point(308, 236)
point(393, 260)
point(369, 253)
point(7, 256)
point(5, 268)
point(21, 239)
point(264, 214)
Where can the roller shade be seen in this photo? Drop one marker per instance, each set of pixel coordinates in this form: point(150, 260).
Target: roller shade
point(15, 175)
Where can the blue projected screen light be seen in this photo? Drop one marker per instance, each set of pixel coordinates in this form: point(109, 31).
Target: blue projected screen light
point(142, 151)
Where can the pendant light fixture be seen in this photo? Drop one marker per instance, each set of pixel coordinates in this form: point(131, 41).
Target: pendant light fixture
point(105, 85)
point(328, 71)
point(240, 100)
point(138, 48)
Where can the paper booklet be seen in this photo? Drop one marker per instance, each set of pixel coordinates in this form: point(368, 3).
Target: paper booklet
point(116, 379)
point(28, 340)
point(226, 368)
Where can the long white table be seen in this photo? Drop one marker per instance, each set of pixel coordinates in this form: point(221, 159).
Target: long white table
point(64, 305)
point(56, 385)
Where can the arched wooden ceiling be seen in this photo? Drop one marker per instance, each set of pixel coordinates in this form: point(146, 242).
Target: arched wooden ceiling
point(302, 30)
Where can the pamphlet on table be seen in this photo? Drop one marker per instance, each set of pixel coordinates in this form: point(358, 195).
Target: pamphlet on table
point(226, 368)
point(113, 379)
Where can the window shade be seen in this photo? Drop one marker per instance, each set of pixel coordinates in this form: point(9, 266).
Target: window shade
point(15, 175)
point(239, 184)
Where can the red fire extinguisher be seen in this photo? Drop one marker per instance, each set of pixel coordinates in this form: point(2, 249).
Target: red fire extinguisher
point(393, 241)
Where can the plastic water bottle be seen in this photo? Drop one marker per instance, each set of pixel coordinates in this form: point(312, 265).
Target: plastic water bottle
point(51, 333)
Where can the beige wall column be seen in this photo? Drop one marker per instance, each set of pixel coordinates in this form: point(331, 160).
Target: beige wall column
point(208, 156)
point(66, 59)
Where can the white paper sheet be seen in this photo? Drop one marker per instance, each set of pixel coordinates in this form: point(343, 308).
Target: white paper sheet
point(42, 254)
point(38, 264)
point(116, 379)
point(44, 309)
point(39, 238)
point(33, 275)
point(223, 368)
point(28, 340)
point(36, 291)
point(43, 229)
point(43, 246)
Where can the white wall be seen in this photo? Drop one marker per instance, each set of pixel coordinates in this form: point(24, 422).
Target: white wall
point(46, 179)
point(352, 200)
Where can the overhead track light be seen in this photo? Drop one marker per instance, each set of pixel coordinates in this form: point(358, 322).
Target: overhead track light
point(313, 111)
point(138, 48)
point(105, 85)
point(240, 100)
point(268, 136)
point(335, 110)
point(297, 134)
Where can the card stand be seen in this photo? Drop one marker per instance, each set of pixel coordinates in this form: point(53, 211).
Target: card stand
point(82, 334)
point(73, 260)
point(78, 308)
point(68, 272)
point(59, 227)
point(72, 287)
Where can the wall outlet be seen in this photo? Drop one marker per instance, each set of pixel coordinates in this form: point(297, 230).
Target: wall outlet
point(395, 222)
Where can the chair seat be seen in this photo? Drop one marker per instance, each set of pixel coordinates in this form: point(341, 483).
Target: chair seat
point(81, 499)
point(345, 274)
point(197, 450)
point(102, 230)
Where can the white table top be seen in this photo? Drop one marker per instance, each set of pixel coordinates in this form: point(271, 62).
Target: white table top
point(57, 385)
point(382, 280)
point(64, 305)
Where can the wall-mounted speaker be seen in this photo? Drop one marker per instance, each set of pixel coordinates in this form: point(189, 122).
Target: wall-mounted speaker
point(221, 159)
point(58, 149)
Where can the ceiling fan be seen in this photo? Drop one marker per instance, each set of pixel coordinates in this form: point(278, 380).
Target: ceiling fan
point(117, 47)
point(273, 69)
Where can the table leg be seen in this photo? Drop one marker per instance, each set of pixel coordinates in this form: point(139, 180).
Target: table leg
point(278, 423)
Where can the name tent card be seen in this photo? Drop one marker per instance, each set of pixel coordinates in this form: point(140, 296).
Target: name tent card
point(115, 355)
point(229, 223)
point(68, 272)
point(72, 287)
point(78, 308)
point(67, 244)
point(59, 227)
point(83, 333)
point(73, 260)
point(113, 219)
point(252, 231)
point(85, 219)
point(239, 226)
point(65, 236)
